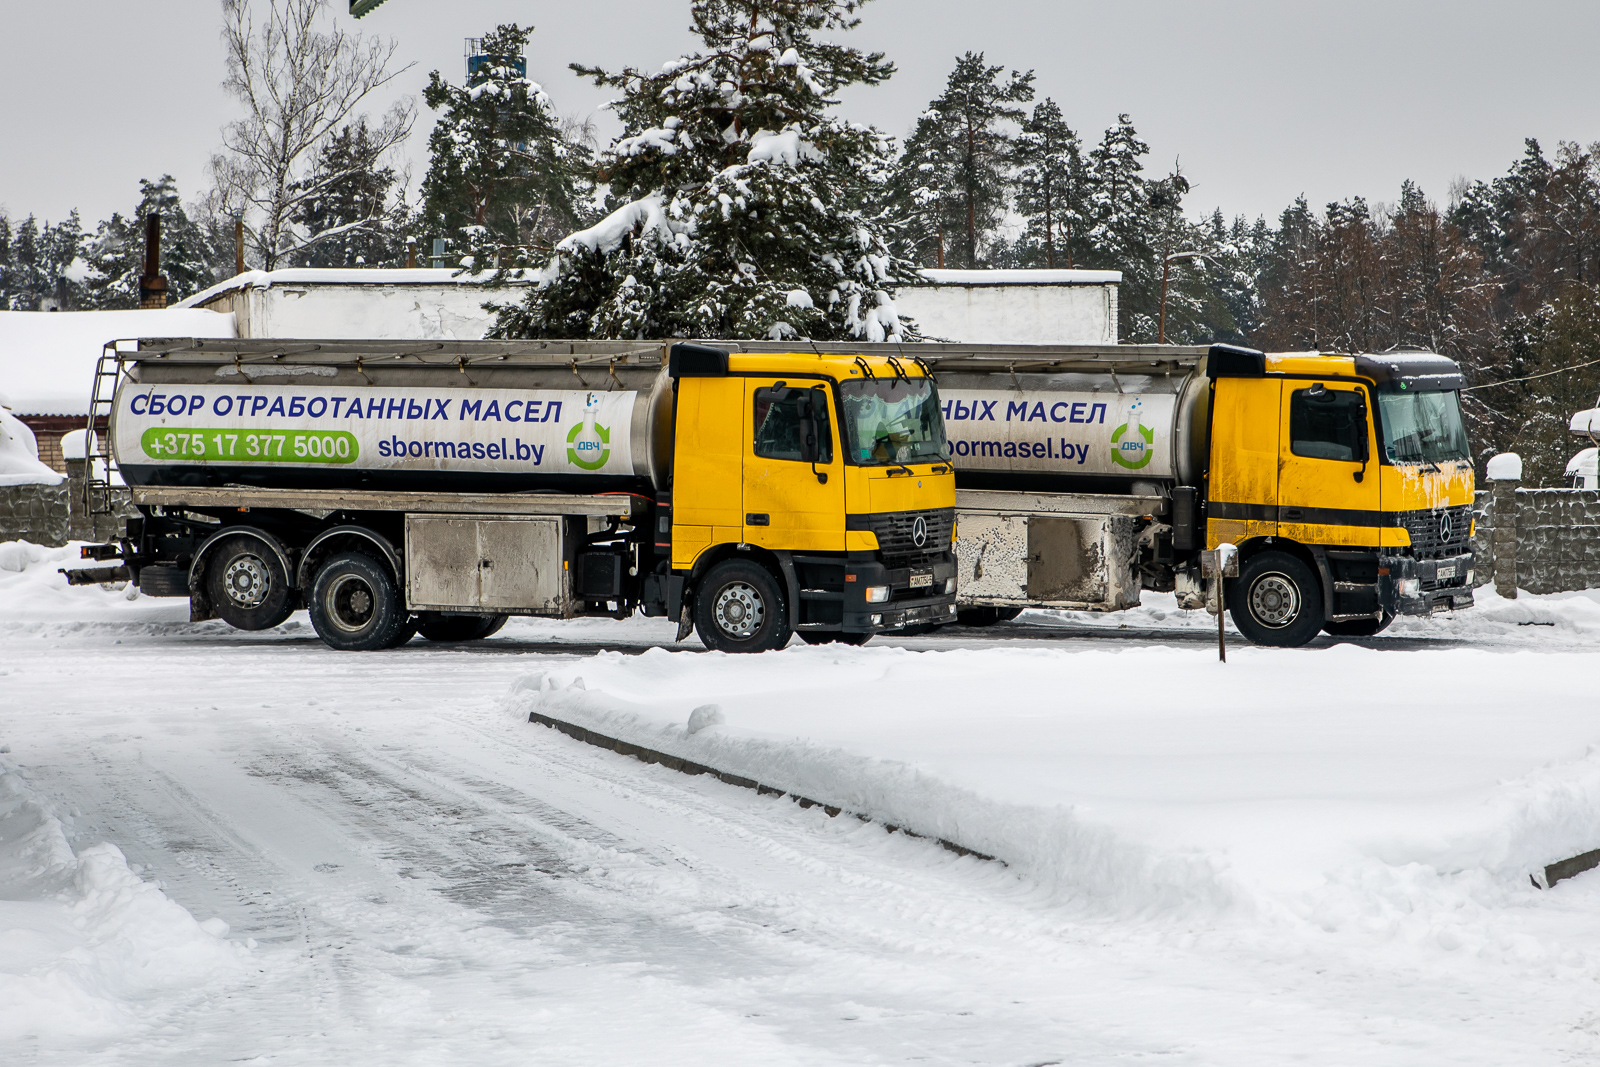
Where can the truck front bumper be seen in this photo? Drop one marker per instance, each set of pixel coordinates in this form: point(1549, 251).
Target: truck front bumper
point(908, 605)
point(1426, 586)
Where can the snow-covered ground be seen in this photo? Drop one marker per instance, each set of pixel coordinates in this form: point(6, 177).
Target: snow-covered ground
point(221, 847)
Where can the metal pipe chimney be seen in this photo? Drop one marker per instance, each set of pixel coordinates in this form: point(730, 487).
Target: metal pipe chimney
point(153, 285)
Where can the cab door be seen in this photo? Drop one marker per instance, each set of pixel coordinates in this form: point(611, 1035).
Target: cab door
point(1327, 468)
point(791, 502)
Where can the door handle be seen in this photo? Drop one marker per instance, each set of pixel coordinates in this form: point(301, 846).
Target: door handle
point(1292, 515)
point(758, 518)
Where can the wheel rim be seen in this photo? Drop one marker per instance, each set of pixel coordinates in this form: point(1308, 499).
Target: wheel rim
point(739, 610)
point(1275, 600)
point(350, 603)
point(246, 581)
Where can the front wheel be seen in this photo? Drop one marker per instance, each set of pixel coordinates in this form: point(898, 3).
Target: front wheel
point(355, 606)
point(1276, 600)
point(1358, 627)
point(738, 607)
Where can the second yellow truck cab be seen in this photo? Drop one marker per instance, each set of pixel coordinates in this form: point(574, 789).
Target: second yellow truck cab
point(1346, 482)
point(827, 472)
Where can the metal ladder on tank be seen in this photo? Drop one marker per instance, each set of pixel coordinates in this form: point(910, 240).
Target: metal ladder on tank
point(97, 498)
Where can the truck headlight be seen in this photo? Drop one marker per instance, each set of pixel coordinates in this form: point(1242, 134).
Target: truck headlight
point(1410, 587)
point(877, 594)
point(949, 585)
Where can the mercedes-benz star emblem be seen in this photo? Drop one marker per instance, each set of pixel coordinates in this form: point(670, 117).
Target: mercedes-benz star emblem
point(919, 532)
point(1446, 526)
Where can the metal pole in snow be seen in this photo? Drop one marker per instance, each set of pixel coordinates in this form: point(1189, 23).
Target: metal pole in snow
point(1222, 637)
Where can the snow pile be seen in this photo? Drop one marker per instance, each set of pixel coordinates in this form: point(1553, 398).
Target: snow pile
point(19, 455)
point(33, 589)
point(82, 937)
point(47, 360)
point(1506, 467)
point(1155, 780)
point(607, 234)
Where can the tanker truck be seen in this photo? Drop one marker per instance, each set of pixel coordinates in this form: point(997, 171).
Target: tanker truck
point(1086, 474)
point(392, 487)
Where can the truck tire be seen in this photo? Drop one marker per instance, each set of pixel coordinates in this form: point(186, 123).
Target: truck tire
point(246, 584)
point(986, 616)
point(355, 606)
point(448, 628)
point(738, 607)
point(831, 637)
point(1276, 600)
point(1358, 627)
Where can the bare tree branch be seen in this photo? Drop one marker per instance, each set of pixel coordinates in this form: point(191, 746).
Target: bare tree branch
point(298, 83)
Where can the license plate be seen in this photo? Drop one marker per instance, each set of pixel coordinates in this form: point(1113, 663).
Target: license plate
point(1447, 570)
point(922, 580)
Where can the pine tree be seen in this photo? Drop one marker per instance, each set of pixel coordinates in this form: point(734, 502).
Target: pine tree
point(5, 262)
point(1050, 180)
point(742, 207)
point(190, 258)
point(500, 171)
point(1122, 227)
point(955, 168)
point(27, 286)
point(349, 221)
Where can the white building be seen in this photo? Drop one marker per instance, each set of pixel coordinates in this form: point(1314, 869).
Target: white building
point(975, 306)
point(1015, 307)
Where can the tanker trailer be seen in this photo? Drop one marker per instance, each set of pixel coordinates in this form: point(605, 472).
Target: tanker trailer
point(1086, 474)
point(392, 487)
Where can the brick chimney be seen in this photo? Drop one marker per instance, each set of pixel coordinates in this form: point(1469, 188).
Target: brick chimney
point(153, 285)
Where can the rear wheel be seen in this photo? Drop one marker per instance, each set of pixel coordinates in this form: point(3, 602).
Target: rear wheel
point(986, 616)
point(738, 607)
point(246, 584)
point(355, 606)
point(1358, 627)
point(447, 628)
point(833, 637)
point(1276, 600)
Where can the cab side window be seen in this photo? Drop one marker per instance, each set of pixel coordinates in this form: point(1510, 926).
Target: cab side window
point(780, 422)
point(1328, 424)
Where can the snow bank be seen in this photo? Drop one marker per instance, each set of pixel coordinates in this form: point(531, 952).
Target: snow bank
point(19, 455)
point(83, 939)
point(33, 590)
point(1154, 780)
point(47, 359)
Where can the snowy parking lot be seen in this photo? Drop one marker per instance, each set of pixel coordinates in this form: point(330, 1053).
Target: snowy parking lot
point(225, 847)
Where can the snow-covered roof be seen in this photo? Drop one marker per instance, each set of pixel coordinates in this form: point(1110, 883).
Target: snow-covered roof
point(1586, 422)
point(1585, 462)
point(266, 279)
point(1023, 277)
point(47, 358)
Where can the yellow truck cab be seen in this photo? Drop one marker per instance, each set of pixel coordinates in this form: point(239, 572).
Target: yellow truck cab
point(1346, 481)
point(825, 472)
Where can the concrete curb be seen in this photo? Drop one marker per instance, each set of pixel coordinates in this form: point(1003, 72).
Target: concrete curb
point(678, 763)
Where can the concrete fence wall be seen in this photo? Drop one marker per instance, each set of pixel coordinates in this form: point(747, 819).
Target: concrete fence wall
point(54, 514)
point(1552, 541)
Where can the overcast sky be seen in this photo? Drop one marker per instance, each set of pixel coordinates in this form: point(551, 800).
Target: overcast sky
point(1260, 100)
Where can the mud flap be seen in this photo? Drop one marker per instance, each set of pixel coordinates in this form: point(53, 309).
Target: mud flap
point(685, 623)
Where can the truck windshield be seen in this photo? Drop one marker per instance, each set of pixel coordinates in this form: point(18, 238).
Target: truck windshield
point(1422, 427)
point(892, 420)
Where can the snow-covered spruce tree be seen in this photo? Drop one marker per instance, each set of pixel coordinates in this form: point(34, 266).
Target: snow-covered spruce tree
point(742, 206)
point(954, 175)
point(501, 171)
point(349, 221)
point(115, 255)
point(1050, 182)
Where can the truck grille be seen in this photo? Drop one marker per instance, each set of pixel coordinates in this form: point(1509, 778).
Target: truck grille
point(1436, 534)
point(896, 532)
